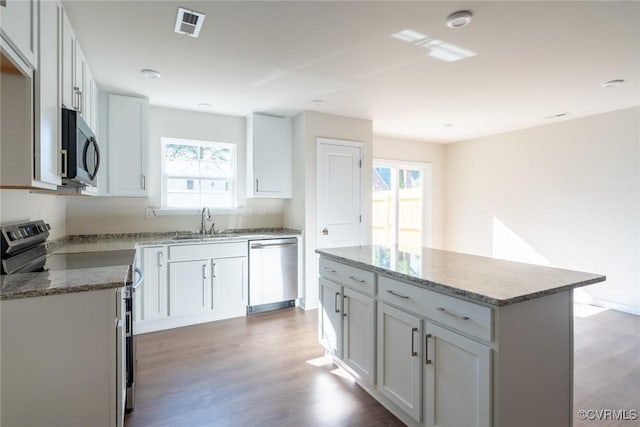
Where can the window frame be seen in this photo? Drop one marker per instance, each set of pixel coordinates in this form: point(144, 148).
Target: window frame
point(426, 208)
point(197, 142)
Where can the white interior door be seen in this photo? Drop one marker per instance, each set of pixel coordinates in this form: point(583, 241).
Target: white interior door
point(339, 193)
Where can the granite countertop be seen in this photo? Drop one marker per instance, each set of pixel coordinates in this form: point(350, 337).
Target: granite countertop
point(45, 283)
point(122, 241)
point(24, 285)
point(488, 280)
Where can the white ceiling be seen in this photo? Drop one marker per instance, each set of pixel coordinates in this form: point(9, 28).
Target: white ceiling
point(534, 59)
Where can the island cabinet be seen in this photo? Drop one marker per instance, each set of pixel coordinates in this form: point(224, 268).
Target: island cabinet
point(347, 318)
point(191, 283)
point(459, 340)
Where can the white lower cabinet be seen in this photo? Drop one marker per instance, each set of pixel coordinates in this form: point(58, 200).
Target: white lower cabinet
point(190, 287)
point(457, 380)
point(399, 359)
point(61, 360)
point(154, 293)
point(426, 356)
point(331, 317)
point(189, 284)
point(229, 290)
point(358, 313)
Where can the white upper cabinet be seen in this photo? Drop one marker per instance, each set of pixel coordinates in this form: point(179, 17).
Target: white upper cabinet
point(78, 87)
point(269, 156)
point(68, 68)
point(125, 140)
point(46, 97)
point(19, 29)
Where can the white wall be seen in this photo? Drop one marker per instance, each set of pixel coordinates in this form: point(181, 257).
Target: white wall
point(21, 205)
point(389, 148)
point(566, 194)
point(301, 209)
point(124, 214)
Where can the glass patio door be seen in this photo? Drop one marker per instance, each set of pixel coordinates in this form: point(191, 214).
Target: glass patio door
point(399, 211)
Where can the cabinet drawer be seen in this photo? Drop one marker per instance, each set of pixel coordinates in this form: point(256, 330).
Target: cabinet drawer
point(353, 277)
point(467, 317)
point(211, 250)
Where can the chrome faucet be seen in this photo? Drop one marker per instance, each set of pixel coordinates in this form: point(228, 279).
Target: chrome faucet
point(203, 226)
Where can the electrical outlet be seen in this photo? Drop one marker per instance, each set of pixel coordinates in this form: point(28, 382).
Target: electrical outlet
point(148, 213)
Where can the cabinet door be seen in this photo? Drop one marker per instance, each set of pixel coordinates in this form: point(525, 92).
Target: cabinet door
point(69, 98)
point(18, 20)
point(271, 157)
point(79, 77)
point(127, 134)
point(46, 97)
point(190, 285)
point(457, 380)
point(229, 285)
point(358, 323)
point(154, 290)
point(331, 317)
point(399, 359)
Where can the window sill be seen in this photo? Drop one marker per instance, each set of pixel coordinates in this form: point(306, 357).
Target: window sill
point(153, 212)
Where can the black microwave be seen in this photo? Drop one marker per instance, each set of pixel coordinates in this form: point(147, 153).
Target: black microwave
point(80, 151)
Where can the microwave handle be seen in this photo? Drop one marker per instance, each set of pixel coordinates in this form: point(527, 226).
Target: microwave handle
point(92, 140)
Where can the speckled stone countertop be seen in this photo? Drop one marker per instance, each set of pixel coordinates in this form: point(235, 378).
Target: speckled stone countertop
point(27, 285)
point(45, 283)
point(486, 280)
point(116, 242)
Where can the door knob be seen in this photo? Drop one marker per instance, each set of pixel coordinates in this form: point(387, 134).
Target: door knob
point(325, 231)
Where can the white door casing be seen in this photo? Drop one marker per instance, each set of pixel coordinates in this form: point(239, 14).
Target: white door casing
point(339, 193)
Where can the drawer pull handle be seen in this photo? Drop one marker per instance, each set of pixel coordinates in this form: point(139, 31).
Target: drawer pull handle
point(414, 353)
point(395, 294)
point(442, 309)
point(329, 270)
point(427, 361)
point(357, 279)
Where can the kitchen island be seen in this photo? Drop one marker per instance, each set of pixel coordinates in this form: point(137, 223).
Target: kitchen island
point(448, 339)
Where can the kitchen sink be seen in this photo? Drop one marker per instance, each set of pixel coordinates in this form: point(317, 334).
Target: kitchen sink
point(203, 236)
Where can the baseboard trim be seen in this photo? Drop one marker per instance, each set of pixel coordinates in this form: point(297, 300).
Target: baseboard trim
point(615, 306)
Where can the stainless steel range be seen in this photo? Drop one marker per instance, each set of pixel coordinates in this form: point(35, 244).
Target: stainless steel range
point(23, 251)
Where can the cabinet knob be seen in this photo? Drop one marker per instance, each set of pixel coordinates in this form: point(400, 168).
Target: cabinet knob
point(325, 231)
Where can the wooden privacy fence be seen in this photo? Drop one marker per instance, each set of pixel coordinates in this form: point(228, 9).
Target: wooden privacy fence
point(409, 217)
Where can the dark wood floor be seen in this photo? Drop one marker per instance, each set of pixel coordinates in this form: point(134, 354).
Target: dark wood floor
point(265, 370)
point(607, 366)
point(268, 370)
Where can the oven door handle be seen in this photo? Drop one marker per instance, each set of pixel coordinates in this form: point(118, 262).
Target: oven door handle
point(140, 277)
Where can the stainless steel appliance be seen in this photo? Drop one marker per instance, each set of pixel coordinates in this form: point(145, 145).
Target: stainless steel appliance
point(23, 251)
point(273, 274)
point(80, 151)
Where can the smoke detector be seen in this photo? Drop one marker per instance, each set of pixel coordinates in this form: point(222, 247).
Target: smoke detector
point(189, 22)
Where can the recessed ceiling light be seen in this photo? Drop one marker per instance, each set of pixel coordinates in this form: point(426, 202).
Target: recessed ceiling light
point(459, 19)
point(317, 102)
point(613, 83)
point(204, 105)
point(447, 125)
point(150, 74)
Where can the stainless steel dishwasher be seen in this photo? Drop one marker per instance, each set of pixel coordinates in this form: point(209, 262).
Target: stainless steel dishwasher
point(273, 274)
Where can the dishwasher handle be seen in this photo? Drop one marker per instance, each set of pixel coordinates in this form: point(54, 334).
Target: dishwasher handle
point(272, 245)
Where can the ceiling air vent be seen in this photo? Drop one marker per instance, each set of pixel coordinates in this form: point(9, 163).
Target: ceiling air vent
point(189, 22)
